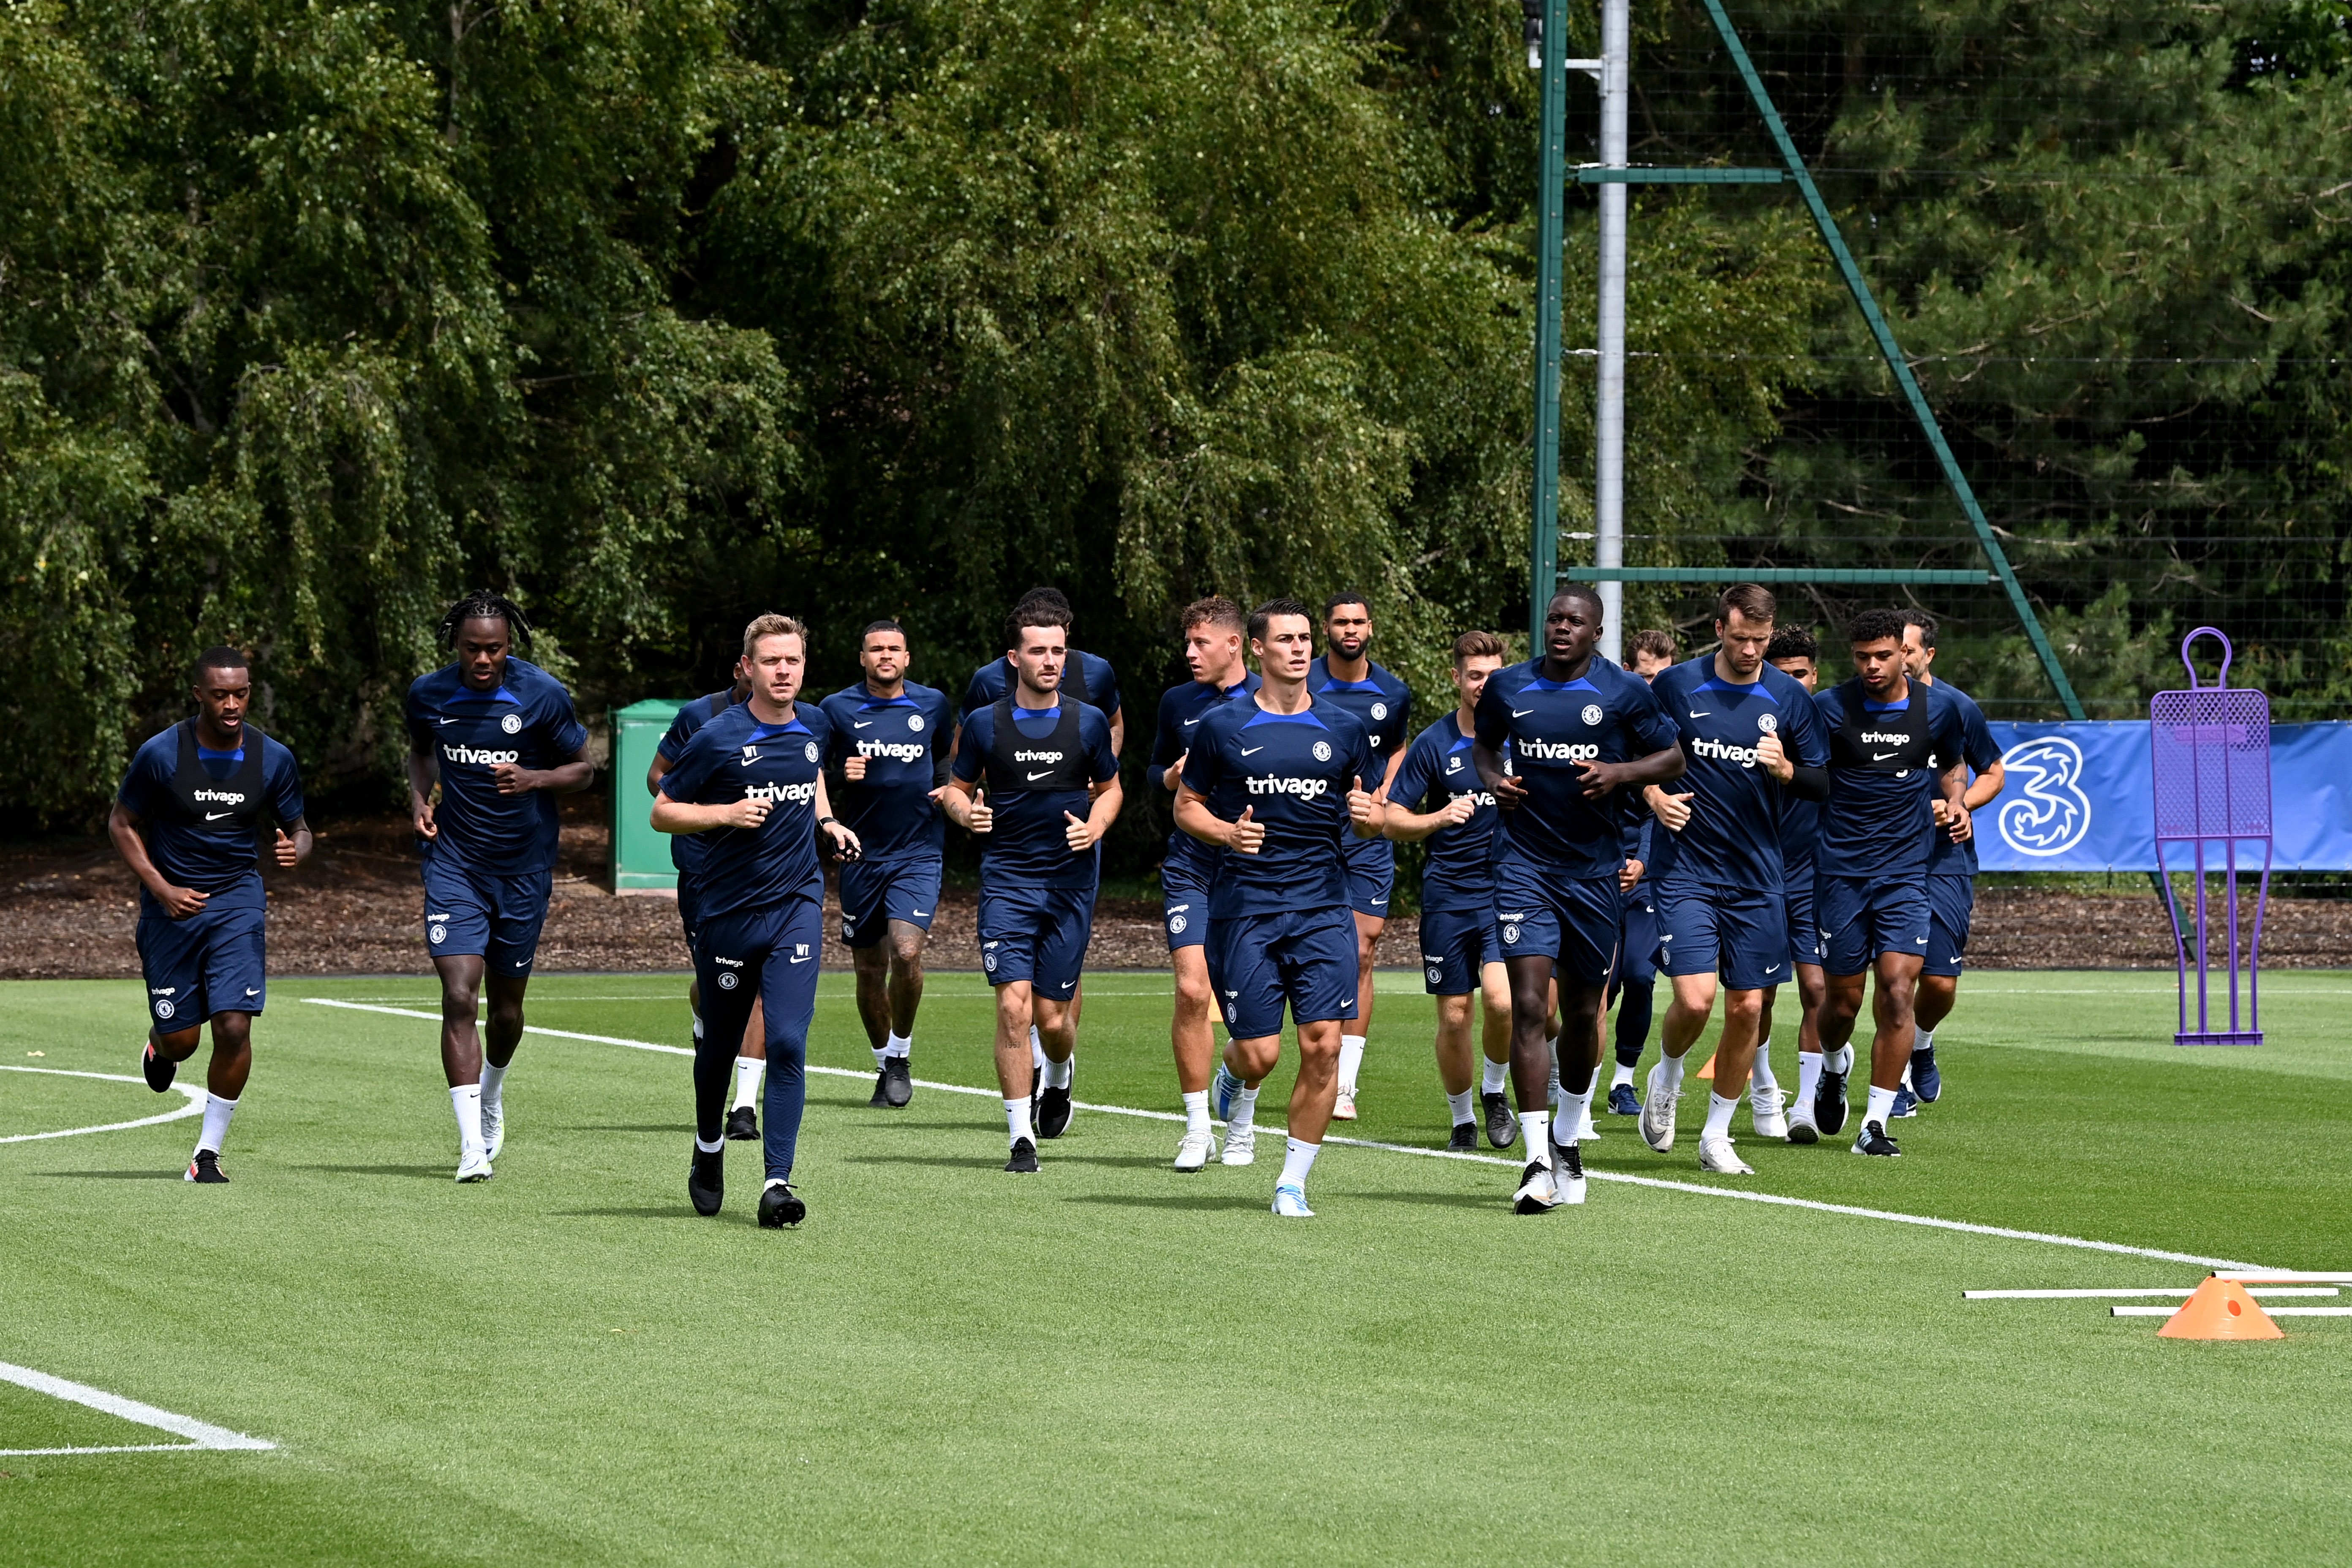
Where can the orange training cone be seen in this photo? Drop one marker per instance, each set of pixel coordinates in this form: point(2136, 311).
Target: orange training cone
point(2221, 1310)
point(1707, 1068)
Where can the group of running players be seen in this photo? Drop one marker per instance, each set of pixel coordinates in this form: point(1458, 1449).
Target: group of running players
point(1586, 827)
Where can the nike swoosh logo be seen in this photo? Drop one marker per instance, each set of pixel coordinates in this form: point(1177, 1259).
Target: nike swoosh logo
point(1771, 968)
point(1047, 774)
point(437, 719)
point(1696, 714)
point(1521, 712)
point(214, 815)
point(800, 960)
point(918, 914)
point(861, 724)
point(1190, 722)
point(1252, 751)
point(1881, 756)
point(252, 990)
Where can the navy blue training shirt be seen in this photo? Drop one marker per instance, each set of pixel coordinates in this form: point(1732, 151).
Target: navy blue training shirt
point(1027, 845)
point(1946, 859)
point(904, 741)
point(529, 721)
point(993, 682)
point(1878, 820)
point(200, 842)
point(1605, 715)
point(1436, 769)
point(1182, 708)
point(687, 850)
point(1292, 772)
point(1733, 837)
point(736, 757)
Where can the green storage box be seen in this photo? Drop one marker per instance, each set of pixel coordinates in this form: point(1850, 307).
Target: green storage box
point(641, 861)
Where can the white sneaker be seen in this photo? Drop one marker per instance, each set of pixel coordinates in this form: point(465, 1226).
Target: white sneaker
point(1585, 1131)
point(1568, 1175)
point(1800, 1123)
point(494, 1127)
point(1241, 1146)
point(1291, 1204)
point(1765, 1110)
point(1717, 1154)
point(1193, 1151)
point(1343, 1106)
point(1537, 1194)
point(474, 1166)
point(1658, 1112)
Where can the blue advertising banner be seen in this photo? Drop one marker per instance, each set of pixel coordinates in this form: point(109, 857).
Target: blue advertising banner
point(2080, 798)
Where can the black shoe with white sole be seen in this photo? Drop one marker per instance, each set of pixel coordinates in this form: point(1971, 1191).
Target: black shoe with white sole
point(204, 1167)
point(1052, 1112)
point(1829, 1103)
point(897, 1085)
point(1502, 1127)
point(1874, 1141)
point(706, 1180)
point(742, 1125)
point(779, 1206)
point(1025, 1159)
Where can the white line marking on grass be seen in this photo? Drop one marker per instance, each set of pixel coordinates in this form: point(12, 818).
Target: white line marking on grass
point(200, 1434)
point(1815, 1205)
point(2082, 1295)
point(193, 1107)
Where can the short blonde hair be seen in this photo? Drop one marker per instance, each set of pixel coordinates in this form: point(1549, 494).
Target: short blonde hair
point(773, 626)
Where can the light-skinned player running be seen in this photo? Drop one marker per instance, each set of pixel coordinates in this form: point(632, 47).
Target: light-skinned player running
point(1276, 784)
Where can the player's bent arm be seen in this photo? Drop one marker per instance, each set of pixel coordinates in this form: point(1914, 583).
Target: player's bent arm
point(291, 850)
point(1193, 815)
point(1412, 826)
point(684, 816)
point(654, 772)
point(846, 846)
point(122, 827)
point(1119, 730)
point(1507, 791)
point(1396, 761)
point(1373, 824)
point(569, 777)
point(961, 801)
point(1108, 800)
point(1987, 785)
point(1809, 784)
point(1953, 786)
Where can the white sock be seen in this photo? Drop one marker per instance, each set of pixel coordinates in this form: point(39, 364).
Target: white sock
point(1016, 1120)
point(881, 1054)
point(1298, 1159)
point(466, 1100)
point(494, 1081)
point(1535, 1126)
point(698, 1025)
point(1839, 1060)
point(1882, 1105)
point(1036, 1050)
point(1922, 1040)
point(1759, 1076)
point(712, 1147)
point(1351, 1060)
point(747, 1080)
point(1718, 1116)
point(216, 1114)
point(1458, 1105)
point(1196, 1112)
point(1492, 1077)
point(1906, 1075)
point(1671, 1069)
point(1058, 1073)
point(1568, 1118)
point(1244, 1109)
point(1551, 1049)
point(899, 1046)
point(1809, 1079)
point(1622, 1076)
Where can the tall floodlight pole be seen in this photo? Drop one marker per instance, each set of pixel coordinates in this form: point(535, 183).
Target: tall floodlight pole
point(1608, 416)
point(1546, 37)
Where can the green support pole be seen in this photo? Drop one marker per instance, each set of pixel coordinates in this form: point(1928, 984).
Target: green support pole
point(1551, 194)
point(1896, 362)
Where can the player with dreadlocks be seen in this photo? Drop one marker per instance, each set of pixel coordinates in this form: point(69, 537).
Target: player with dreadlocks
point(499, 736)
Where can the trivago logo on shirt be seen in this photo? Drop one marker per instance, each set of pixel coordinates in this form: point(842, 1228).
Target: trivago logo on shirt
point(896, 751)
point(1304, 789)
point(1724, 752)
point(782, 794)
point(1535, 749)
point(221, 797)
point(479, 757)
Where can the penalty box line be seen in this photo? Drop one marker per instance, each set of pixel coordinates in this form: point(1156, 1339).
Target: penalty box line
point(192, 1106)
point(1852, 1211)
point(201, 1434)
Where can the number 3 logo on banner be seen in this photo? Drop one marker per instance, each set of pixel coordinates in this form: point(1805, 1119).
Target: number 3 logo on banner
point(2051, 813)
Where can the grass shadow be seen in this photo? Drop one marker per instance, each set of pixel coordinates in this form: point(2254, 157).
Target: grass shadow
point(437, 1173)
point(173, 1175)
point(1438, 1200)
point(648, 1210)
point(988, 1164)
point(1168, 1201)
point(684, 1128)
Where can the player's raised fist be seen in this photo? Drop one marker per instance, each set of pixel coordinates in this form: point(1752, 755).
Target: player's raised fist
point(513, 778)
point(1673, 810)
point(1773, 759)
point(284, 850)
point(983, 816)
point(1959, 823)
point(1248, 832)
point(853, 768)
point(749, 812)
point(1078, 832)
point(1361, 804)
point(1459, 809)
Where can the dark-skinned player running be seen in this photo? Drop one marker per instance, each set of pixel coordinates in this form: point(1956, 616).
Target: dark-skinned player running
point(1577, 729)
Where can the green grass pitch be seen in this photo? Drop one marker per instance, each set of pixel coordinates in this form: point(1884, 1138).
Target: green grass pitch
point(1111, 1362)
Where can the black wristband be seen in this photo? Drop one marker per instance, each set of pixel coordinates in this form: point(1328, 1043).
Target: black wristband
point(825, 821)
